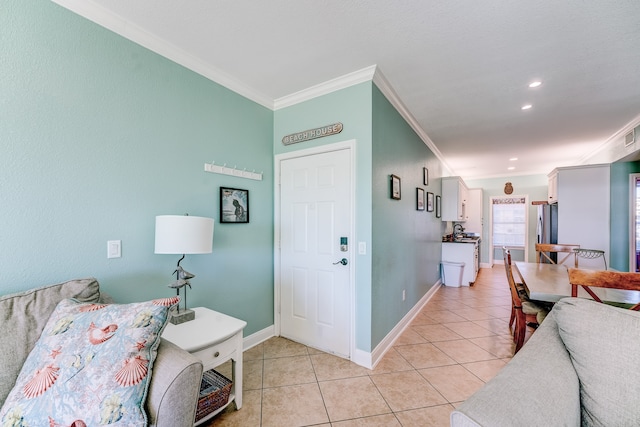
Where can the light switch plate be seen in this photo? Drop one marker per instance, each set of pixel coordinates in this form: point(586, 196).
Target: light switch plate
point(362, 248)
point(114, 248)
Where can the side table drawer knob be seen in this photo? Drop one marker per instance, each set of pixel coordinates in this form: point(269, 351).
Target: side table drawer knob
point(216, 354)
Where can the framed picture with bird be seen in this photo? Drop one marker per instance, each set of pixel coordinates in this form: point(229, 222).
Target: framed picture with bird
point(234, 205)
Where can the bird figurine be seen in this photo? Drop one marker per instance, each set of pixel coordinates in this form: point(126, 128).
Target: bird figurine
point(177, 284)
point(182, 278)
point(183, 274)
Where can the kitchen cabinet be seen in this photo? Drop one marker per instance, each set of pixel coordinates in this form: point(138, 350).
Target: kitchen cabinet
point(466, 252)
point(454, 199)
point(474, 221)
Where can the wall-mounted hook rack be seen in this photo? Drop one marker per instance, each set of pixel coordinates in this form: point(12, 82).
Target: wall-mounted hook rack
point(233, 171)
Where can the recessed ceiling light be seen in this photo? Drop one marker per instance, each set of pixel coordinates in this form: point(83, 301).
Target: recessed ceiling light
point(513, 159)
point(535, 83)
point(511, 168)
point(527, 106)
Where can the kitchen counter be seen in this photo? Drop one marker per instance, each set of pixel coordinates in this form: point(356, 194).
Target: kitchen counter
point(471, 239)
point(467, 253)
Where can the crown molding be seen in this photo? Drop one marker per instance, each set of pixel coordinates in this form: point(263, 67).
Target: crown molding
point(342, 82)
point(371, 73)
point(385, 87)
point(127, 29)
point(612, 140)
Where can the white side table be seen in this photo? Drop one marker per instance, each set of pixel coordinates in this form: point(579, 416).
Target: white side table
point(214, 338)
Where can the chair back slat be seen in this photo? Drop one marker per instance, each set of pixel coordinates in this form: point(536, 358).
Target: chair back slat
point(603, 279)
point(515, 296)
point(543, 248)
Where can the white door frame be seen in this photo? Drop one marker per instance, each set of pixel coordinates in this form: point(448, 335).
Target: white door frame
point(632, 220)
point(344, 145)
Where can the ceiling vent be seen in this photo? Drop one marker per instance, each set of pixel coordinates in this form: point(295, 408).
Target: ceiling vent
point(630, 138)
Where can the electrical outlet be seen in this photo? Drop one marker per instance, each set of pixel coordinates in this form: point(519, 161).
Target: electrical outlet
point(404, 295)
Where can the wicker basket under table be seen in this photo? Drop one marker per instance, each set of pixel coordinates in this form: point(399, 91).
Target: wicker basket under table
point(214, 393)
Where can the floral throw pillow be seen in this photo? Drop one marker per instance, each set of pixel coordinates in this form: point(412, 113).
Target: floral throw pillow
point(90, 367)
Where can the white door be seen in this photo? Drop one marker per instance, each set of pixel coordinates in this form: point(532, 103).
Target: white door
point(315, 213)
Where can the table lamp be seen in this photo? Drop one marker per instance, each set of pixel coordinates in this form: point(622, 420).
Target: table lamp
point(186, 235)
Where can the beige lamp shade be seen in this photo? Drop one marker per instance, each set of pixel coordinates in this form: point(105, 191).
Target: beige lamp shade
point(183, 234)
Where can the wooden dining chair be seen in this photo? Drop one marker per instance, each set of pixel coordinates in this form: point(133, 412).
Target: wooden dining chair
point(544, 251)
point(590, 254)
point(519, 286)
point(524, 311)
point(607, 279)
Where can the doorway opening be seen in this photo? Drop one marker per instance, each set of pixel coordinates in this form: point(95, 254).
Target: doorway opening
point(314, 263)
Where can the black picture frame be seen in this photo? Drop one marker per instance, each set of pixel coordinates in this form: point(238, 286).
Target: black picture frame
point(420, 199)
point(395, 187)
point(429, 202)
point(234, 206)
point(425, 176)
point(438, 207)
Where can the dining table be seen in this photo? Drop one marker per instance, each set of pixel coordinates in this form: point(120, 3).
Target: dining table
point(550, 282)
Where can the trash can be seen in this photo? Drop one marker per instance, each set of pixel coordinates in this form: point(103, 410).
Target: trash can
point(452, 273)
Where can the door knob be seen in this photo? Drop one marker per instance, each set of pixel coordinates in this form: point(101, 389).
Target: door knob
point(343, 261)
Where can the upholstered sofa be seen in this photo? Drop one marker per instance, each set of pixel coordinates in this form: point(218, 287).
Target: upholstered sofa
point(579, 368)
point(173, 387)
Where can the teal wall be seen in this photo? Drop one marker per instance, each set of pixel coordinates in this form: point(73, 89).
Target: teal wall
point(407, 243)
point(98, 136)
point(619, 240)
point(385, 144)
point(351, 107)
point(533, 186)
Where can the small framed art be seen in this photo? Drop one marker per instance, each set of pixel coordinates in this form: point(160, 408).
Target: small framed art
point(234, 205)
point(425, 176)
point(438, 207)
point(429, 202)
point(420, 199)
point(395, 187)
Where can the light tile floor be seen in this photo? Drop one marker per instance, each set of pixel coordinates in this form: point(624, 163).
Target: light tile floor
point(459, 341)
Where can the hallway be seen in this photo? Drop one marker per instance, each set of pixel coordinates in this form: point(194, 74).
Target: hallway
point(460, 340)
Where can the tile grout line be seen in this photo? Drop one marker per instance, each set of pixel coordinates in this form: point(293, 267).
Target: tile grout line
point(488, 298)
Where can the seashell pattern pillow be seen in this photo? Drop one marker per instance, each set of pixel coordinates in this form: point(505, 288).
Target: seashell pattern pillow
point(90, 367)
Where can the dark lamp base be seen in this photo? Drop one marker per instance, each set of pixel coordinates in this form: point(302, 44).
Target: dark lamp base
point(183, 316)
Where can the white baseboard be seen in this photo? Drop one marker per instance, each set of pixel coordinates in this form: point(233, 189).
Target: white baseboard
point(370, 360)
point(359, 357)
point(362, 358)
point(258, 337)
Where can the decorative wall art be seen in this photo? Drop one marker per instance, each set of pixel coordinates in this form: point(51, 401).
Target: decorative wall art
point(429, 202)
point(234, 205)
point(438, 207)
point(420, 199)
point(307, 135)
point(508, 188)
point(425, 176)
point(395, 187)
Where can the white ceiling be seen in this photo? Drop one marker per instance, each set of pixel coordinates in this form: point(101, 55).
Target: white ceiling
point(460, 67)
